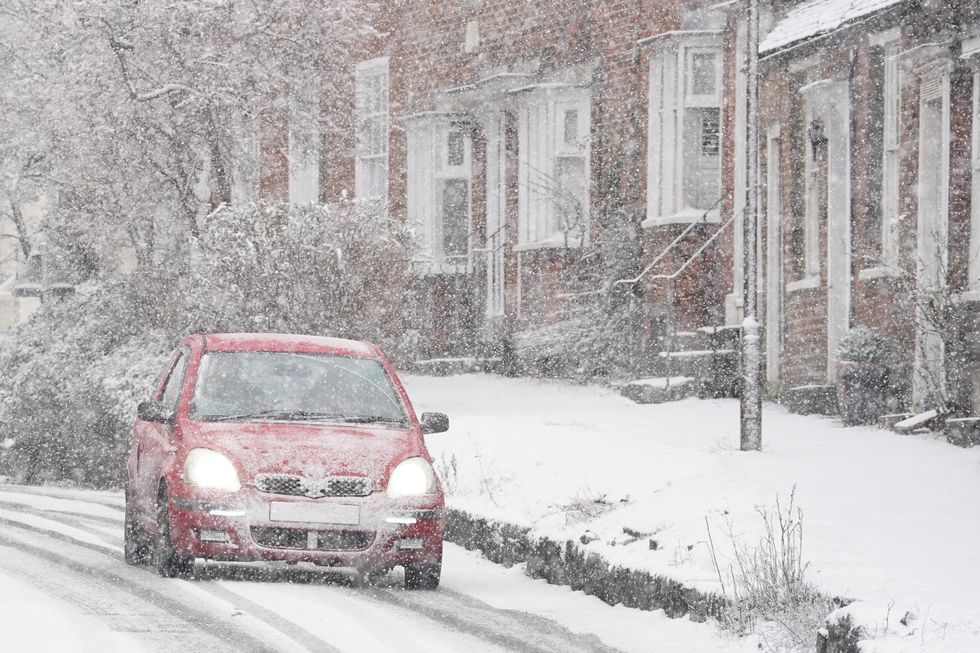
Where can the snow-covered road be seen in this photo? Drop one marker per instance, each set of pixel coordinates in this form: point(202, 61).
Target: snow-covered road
point(64, 587)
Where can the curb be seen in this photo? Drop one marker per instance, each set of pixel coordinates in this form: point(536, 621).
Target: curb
point(567, 563)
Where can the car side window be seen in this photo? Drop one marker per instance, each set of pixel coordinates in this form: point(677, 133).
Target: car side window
point(174, 381)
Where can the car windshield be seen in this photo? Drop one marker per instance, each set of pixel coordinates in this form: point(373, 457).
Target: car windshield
point(295, 387)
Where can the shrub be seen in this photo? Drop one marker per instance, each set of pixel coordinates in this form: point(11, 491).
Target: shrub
point(863, 345)
point(764, 583)
point(75, 371)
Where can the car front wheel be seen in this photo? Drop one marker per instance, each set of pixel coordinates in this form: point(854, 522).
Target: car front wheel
point(423, 576)
point(169, 563)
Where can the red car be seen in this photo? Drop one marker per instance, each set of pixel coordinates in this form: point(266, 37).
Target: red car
point(284, 447)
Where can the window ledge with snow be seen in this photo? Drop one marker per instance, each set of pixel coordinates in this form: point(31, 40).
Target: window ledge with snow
point(685, 216)
point(966, 296)
point(554, 242)
point(879, 272)
point(806, 283)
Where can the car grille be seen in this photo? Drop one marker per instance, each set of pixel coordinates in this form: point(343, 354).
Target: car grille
point(331, 486)
point(297, 538)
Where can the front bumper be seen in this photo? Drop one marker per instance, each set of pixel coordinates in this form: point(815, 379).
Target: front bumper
point(241, 527)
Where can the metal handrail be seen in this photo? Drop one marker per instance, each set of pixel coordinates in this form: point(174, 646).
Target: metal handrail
point(697, 253)
point(673, 243)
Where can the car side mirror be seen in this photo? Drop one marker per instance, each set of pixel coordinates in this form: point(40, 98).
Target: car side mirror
point(154, 411)
point(435, 423)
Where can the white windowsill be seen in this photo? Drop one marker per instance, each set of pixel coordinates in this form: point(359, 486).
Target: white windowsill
point(550, 243)
point(878, 272)
point(967, 296)
point(806, 283)
point(686, 216)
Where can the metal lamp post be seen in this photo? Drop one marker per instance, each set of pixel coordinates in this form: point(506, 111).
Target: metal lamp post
point(751, 396)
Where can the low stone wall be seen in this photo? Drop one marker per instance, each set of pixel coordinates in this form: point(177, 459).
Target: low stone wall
point(567, 563)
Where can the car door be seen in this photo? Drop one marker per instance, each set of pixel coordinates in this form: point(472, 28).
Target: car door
point(154, 443)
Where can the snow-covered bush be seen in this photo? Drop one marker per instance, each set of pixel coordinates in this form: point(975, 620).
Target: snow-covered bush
point(75, 371)
point(863, 345)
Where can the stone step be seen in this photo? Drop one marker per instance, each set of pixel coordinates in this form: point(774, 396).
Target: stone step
point(702, 364)
point(962, 431)
point(658, 389)
point(812, 399)
point(924, 421)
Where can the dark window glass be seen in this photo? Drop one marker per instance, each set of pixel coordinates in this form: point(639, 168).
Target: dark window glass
point(456, 148)
point(172, 390)
point(455, 217)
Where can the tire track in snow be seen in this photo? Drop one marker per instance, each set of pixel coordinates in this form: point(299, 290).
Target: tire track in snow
point(69, 495)
point(512, 629)
point(123, 603)
point(274, 621)
point(509, 629)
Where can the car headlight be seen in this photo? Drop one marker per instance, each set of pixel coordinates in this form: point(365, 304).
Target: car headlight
point(412, 478)
point(210, 469)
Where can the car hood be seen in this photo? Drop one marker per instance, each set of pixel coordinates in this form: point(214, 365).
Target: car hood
point(313, 450)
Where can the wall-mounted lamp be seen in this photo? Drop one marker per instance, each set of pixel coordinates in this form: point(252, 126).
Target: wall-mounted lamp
point(817, 136)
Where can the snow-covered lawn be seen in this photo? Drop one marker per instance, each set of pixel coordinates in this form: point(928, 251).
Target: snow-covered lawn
point(887, 518)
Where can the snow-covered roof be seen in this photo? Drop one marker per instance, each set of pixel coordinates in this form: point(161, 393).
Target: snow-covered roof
point(816, 17)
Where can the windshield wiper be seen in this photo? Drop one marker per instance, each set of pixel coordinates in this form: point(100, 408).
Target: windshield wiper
point(373, 419)
point(275, 414)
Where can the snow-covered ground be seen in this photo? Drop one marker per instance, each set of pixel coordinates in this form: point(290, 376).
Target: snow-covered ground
point(64, 587)
point(888, 519)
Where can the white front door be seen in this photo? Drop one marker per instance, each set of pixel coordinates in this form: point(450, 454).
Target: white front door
point(496, 206)
point(837, 121)
point(929, 383)
point(774, 256)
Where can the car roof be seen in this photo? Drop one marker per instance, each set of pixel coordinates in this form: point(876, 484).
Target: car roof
point(287, 342)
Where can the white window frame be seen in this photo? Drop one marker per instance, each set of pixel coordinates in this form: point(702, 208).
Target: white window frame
point(973, 283)
point(365, 75)
point(541, 142)
point(427, 170)
point(891, 155)
point(669, 98)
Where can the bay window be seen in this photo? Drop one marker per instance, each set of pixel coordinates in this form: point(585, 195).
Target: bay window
point(684, 136)
point(554, 125)
point(439, 193)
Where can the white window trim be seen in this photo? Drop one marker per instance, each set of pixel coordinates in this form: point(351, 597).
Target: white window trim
point(811, 195)
point(427, 166)
point(667, 98)
point(774, 254)
point(540, 150)
point(891, 156)
point(365, 70)
point(973, 283)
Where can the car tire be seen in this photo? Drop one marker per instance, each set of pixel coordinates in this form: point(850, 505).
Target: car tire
point(169, 563)
point(423, 576)
point(137, 547)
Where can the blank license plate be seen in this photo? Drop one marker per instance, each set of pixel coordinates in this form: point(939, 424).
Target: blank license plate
point(312, 513)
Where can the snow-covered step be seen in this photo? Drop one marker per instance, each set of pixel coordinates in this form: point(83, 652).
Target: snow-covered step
point(658, 389)
point(925, 420)
point(702, 364)
point(962, 431)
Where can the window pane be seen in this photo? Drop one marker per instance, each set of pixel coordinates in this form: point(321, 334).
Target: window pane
point(456, 147)
point(172, 390)
point(570, 207)
point(710, 136)
point(702, 165)
point(571, 127)
point(703, 75)
point(455, 216)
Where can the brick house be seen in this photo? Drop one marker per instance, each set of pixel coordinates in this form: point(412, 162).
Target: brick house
point(546, 155)
point(869, 173)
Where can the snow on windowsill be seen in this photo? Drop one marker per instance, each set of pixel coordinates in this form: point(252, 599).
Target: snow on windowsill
point(685, 216)
point(966, 296)
point(554, 242)
point(879, 272)
point(806, 283)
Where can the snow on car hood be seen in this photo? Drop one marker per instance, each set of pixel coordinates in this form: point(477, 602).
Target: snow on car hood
point(312, 450)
